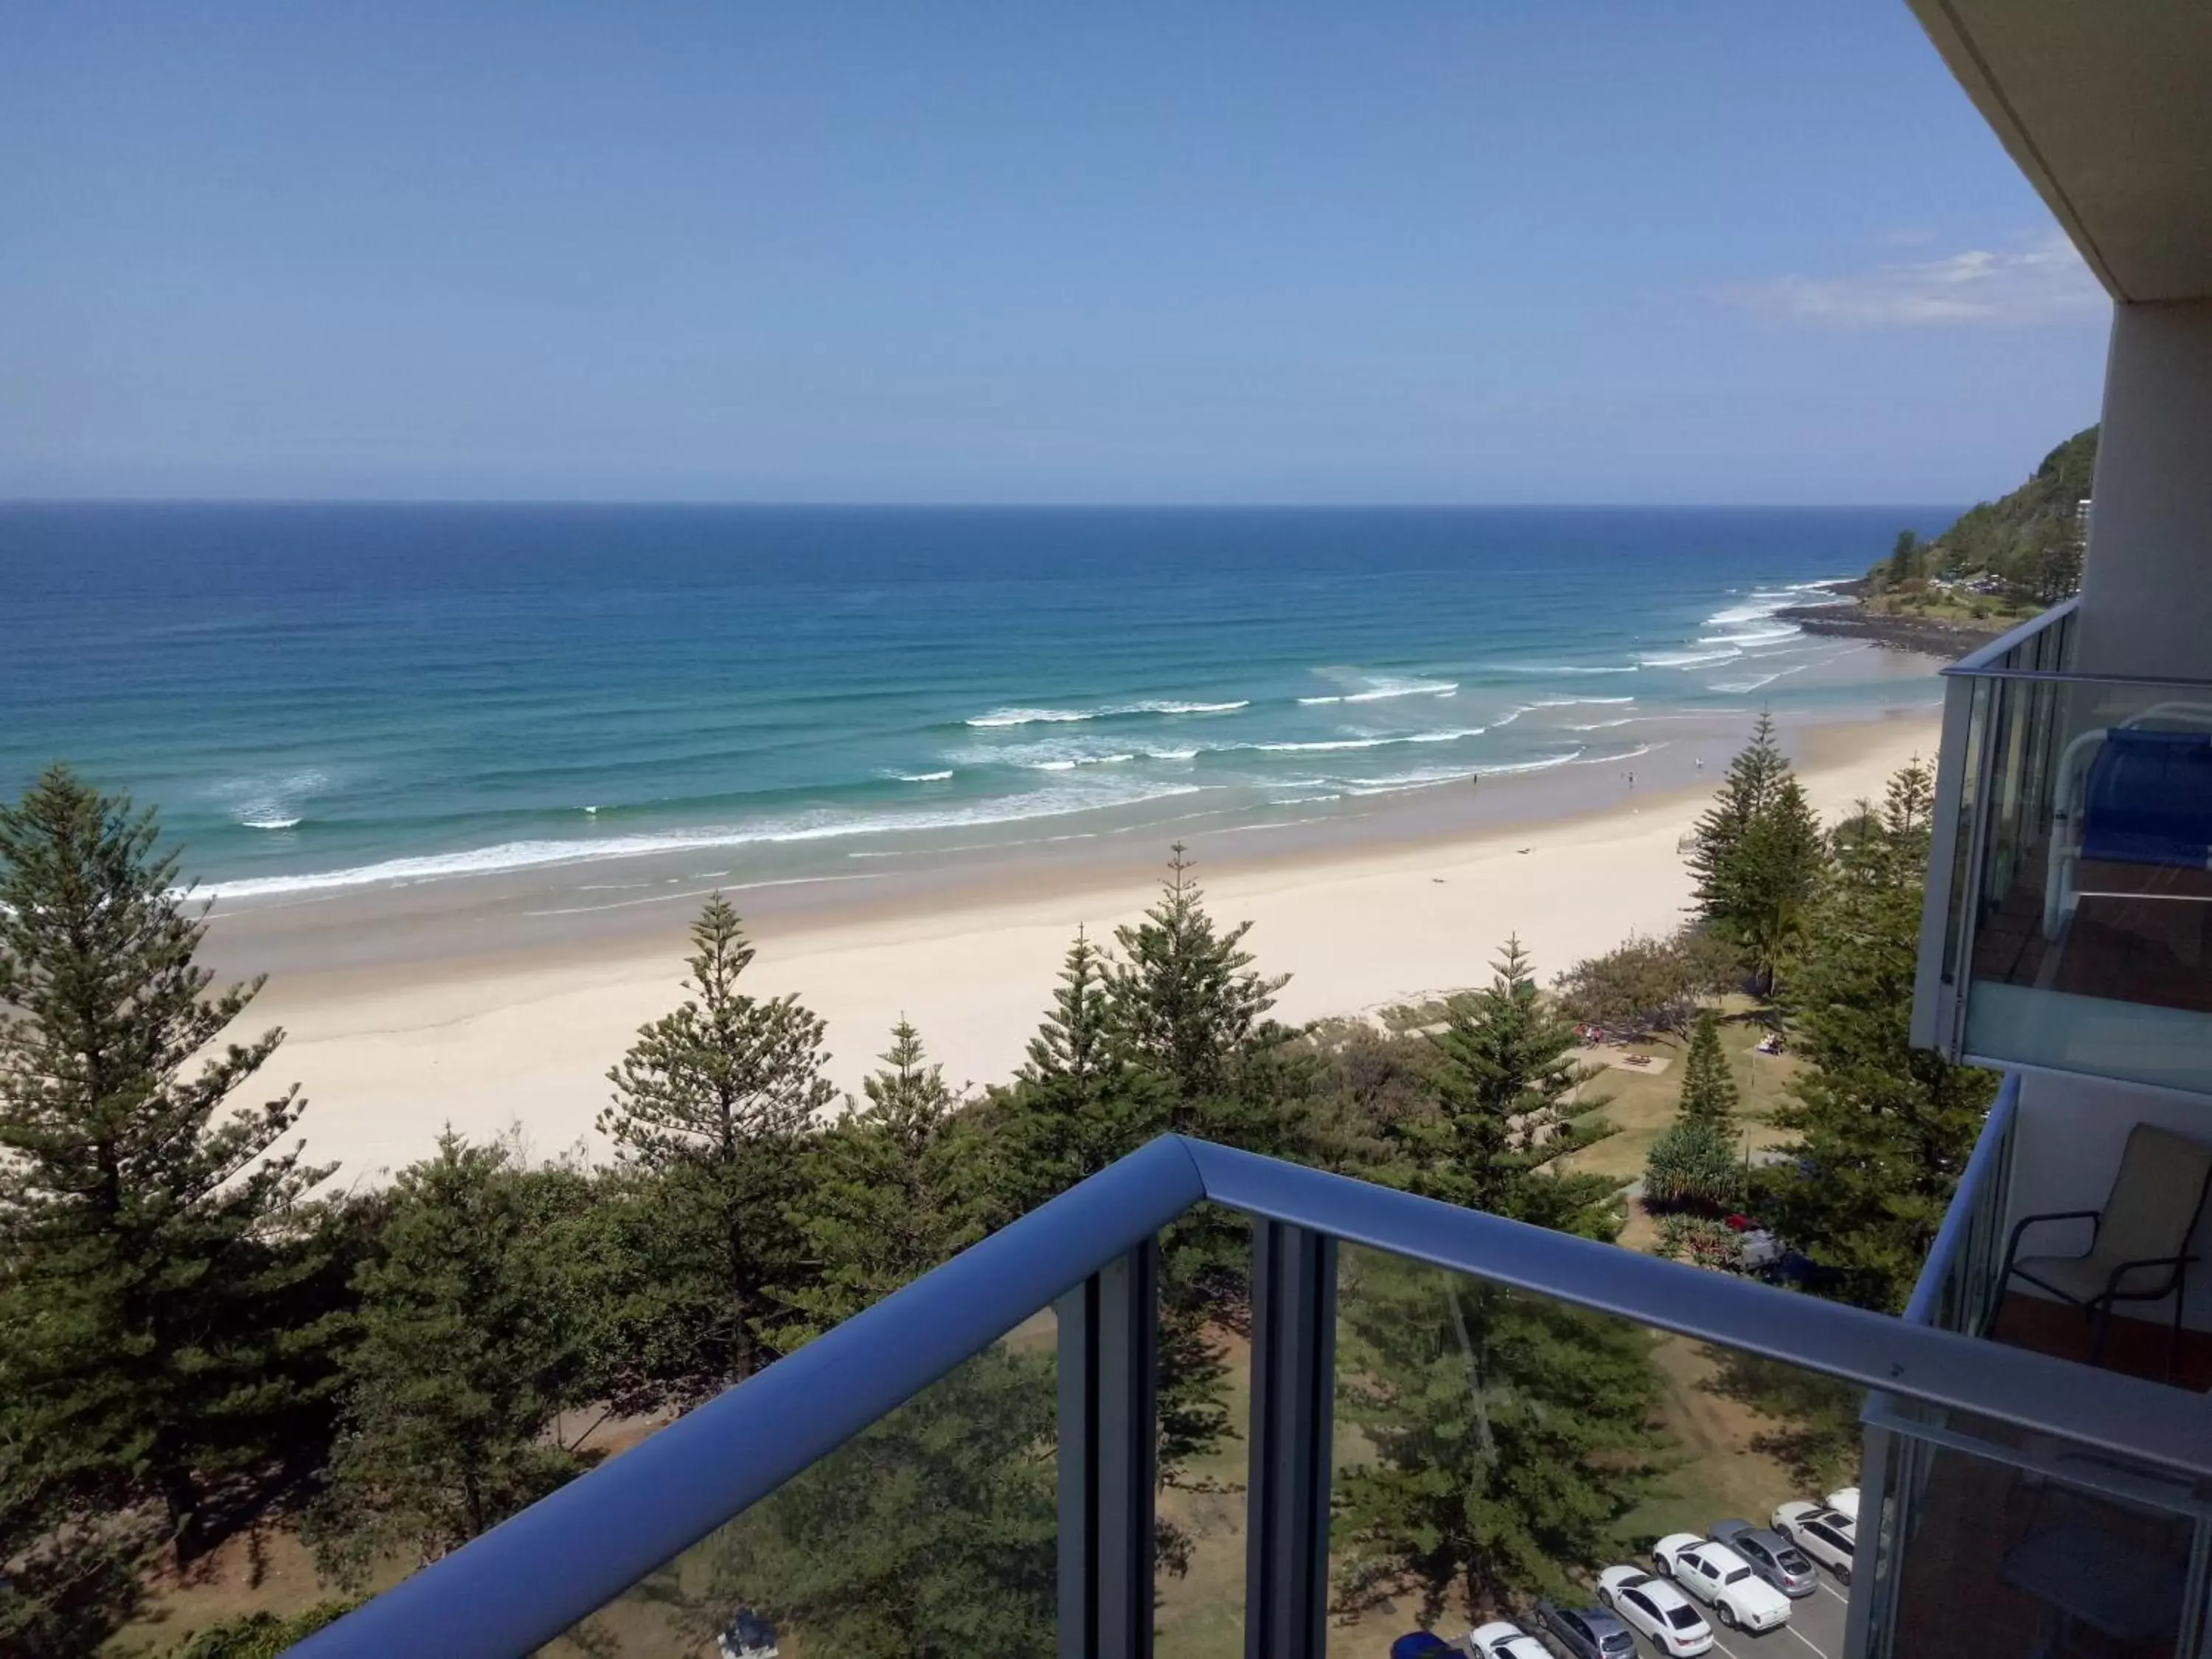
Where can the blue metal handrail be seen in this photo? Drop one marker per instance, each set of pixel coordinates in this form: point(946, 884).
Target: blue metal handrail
point(536, 1575)
point(530, 1578)
point(1975, 1184)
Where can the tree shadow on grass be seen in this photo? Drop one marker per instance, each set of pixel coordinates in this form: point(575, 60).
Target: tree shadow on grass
point(1816, 1433)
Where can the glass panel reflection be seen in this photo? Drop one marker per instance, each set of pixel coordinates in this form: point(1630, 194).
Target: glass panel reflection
point(934, 1531)
point(1506, 1462)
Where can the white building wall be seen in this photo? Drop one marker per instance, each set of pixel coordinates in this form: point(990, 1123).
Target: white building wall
point(2147, 581)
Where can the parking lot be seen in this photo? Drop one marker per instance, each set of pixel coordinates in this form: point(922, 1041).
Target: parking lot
point(1815, 1627)
point(1816, 1621)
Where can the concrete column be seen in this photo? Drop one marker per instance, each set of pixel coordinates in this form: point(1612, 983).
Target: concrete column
point(2146, 580)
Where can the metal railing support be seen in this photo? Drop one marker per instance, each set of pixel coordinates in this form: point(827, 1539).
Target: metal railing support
point(1108, 1450)
point(1293, 1412)
point(1886, 1513)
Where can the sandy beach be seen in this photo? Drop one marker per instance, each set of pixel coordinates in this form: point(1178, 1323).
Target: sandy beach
point(470, 1017)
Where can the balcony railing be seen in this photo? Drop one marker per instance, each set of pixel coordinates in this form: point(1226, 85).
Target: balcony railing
point(1957, 1289)
point(1009, 1400)
point(2068, 920)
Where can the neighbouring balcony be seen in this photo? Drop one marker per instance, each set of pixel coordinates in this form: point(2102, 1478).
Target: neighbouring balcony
point(973, 1467)
point(2069, 923)
point(1989, 1518)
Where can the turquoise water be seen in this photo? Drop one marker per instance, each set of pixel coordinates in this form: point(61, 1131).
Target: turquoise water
point(331, 696)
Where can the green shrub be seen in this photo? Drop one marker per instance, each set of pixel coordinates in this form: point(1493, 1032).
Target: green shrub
point(1698, 1240)
point(260, 1635)
point(1692, 1167)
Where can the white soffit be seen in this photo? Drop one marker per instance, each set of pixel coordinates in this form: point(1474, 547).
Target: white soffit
point(2107, 107)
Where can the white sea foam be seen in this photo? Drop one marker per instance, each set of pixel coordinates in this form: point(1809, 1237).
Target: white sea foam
point(1761, 603)
point(1607, 726)
point(1381, 688)
point(1641, 750)
point(1171, 754)
point(1068, 763)
point(513, 855)
point(1688, 658)
point(1031, 717)
point(1006, 717)
point(1755, 636)
point(271, 800)
point(1328, 745)
point(1736, 687)
point(1576, 702)
point(1448, 737)
point(1320, 746)
point(1428, 777)
point(1559, 668)
point(923, 777)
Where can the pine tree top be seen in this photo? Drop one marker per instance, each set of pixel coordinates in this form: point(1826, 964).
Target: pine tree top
point(1071, 1041)
point(1709, 1095)
point(103, 1012)
point(725, 1072)
point(1184, 999)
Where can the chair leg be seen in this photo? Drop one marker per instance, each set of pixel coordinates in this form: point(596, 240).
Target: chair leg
point(2173, 1343)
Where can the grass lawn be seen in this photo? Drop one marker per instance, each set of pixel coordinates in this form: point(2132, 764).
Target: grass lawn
point(1641, 1104)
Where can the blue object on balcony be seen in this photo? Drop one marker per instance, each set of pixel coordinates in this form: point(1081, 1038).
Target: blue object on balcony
point(2149, 800)
point(1420, 1642)
point(2135, 794)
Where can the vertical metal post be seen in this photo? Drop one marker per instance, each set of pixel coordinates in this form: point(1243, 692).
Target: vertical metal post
point(1293, 1413)
point(1868, 1627)
point(1108, 1449)
point(1933, 991)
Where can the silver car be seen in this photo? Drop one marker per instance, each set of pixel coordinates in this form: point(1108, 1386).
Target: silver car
point(1587, 1632)
point(1769, 1554)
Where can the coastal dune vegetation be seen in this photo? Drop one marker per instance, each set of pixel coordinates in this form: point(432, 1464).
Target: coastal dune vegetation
point(216, 1352)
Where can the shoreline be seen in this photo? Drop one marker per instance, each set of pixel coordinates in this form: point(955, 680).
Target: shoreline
point(474, 1006)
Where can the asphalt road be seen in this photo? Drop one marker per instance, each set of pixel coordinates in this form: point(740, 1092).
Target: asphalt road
point(1816, 1630)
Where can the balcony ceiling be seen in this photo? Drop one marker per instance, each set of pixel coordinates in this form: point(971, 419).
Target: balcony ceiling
point(2107, 109)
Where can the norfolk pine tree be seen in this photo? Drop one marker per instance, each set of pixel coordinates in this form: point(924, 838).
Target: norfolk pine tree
point(1506, 1085)
point(720, 1099)
point(1885, 1127)
point(153, 1249)
point(1510, 1432)
point(1080, 1102)
point(1185, 1003)
point(1757, 856)
point(1709, 1091)
point(1084, 1099)
point(467, 1351)
point(885, 1199)
point(1695, 1163)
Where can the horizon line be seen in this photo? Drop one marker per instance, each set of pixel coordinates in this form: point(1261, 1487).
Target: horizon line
point(717, 504)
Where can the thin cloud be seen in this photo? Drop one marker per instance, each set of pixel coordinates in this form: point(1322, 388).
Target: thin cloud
point(2021, 287)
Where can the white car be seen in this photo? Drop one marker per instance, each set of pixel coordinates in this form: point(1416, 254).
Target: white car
point(1828, 1537)
point(1846, 1504)
point(1724, 1581)
point(1655, 1606)
point(1503, 1640)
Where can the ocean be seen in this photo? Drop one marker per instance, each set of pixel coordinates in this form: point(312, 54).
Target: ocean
point(335, 696)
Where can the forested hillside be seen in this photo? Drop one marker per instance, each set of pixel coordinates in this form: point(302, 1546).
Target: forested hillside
point(2023, 550)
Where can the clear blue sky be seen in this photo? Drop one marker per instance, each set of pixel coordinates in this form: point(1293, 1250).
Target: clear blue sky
point(1525, 250)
